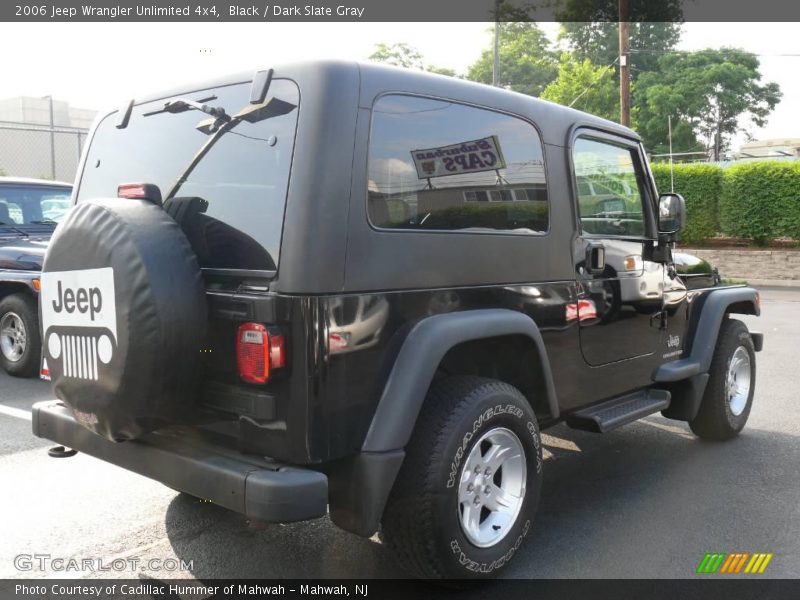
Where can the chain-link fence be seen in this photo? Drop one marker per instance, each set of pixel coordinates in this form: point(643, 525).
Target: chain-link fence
point(38, 151)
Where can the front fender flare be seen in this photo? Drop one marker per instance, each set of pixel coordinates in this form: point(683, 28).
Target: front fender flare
point(704, 341)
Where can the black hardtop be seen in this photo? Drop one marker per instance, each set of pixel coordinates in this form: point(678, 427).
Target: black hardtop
point(328, 245)
point(553, 120)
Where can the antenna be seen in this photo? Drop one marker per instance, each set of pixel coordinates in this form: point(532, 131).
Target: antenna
point(671, 174)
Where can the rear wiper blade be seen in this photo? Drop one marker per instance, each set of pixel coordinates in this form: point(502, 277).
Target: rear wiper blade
point(173, 106)
point(271, 107)
point(180, 105)
point(44, 222)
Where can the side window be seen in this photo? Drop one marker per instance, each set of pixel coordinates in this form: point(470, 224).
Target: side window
point(436, 165)
point(610, 197)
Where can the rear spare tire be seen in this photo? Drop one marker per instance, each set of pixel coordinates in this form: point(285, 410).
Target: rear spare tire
point(123, 315)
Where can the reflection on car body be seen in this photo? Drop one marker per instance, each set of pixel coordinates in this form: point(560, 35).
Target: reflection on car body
point(356, 322)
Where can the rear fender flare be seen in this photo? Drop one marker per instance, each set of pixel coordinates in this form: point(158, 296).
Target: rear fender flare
point(420, 355)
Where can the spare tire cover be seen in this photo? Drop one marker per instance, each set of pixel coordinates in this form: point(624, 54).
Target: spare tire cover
point(123, 315)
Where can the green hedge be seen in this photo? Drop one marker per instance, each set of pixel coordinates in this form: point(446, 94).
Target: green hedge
point(701, 185)
point(761, 201)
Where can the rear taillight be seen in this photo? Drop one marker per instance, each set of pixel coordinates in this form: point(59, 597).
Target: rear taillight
point(258, 351)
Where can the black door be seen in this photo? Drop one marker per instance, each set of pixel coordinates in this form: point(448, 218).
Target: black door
point(622, 293)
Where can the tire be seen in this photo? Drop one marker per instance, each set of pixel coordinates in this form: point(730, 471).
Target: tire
point(422, 520)
point(124, 315)
point(723, 413)
point(20, 341)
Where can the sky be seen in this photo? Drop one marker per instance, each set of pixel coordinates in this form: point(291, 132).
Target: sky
point(101, 65)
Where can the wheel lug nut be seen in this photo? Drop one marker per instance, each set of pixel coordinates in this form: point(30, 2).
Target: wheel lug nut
point(470, 487)
point(477, 470)
point(488, 472)
point(477, 501)
point(487, 490)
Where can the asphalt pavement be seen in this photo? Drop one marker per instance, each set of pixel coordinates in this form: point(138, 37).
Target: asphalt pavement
point(644, 501)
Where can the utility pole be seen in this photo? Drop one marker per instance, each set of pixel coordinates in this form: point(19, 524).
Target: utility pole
point(496, 51)
point(624, 67)
point(52, 138)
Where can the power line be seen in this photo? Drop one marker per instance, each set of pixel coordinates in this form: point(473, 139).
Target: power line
point(593, 83)
point(710, 51)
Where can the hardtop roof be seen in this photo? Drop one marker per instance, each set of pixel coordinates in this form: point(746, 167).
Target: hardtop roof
point(554, 120)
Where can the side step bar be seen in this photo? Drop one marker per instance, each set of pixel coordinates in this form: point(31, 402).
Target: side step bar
point(619, 411)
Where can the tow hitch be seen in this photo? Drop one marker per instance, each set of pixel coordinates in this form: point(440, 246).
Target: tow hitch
point(61, 452)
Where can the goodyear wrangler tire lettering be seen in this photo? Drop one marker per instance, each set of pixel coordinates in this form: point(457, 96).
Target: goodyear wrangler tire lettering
point(122, 298)
point(423, 521)
point(485, 568)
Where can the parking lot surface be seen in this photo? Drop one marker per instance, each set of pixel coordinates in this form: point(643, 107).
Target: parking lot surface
point(647, 500)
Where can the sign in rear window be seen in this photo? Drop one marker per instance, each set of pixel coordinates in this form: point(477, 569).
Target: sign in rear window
point(468, 157)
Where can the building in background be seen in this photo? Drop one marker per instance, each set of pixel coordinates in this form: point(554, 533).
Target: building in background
point(42, 137)
point(773, 148)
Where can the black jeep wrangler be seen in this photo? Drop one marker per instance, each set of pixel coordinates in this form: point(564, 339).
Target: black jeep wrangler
point(352, 289)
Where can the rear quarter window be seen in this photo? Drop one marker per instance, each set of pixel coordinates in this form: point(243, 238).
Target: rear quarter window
point(437, 165)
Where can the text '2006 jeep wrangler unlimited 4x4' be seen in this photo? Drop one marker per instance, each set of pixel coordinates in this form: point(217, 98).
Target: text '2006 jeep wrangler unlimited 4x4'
point(361, 290)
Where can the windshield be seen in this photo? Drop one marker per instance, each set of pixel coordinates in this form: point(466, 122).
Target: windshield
point(232, 201)
point(27, 204)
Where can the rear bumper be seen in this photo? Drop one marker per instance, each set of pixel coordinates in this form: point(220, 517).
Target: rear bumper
point(249, 485)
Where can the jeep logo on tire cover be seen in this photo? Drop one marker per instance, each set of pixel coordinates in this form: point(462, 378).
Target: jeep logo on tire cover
point(79, 320)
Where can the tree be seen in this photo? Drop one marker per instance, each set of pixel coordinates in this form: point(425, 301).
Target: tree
point(405, 55)
point(585, 86)
point(710, 95)
point(527, 64)
point(441, 71)
point(599, 42)
point(591, 30)
point(399, 55)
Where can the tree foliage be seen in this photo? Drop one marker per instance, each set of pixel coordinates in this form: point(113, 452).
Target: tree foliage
point(585, 86)
point(599, 42)
point(711, 95)
point(591, 30)
point(399, 55)
point(526, 62)
point(407, 56)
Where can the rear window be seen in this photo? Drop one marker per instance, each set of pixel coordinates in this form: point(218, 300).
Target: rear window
point(232, 202)
point(439, 165)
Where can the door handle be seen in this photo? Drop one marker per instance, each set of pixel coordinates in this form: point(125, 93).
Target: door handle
point(595, 258)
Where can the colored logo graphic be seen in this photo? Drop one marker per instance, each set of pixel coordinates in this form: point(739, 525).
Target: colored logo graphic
point(737, 562)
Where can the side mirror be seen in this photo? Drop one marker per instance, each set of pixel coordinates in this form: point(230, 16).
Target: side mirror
point(671, 213)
